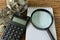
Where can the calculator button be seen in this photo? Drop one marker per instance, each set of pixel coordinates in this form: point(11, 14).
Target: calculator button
point(12, 26)
point(13, 38)
point(21, 29)
point(16, 31)
point(18, 36)
point(18, 28)
point(15, 35)
point(8, 32)
point(16, 39)
point(15, 27)
point(20, 33)
point(7, 35)
point(2, 37)
point(5, 31)
point(11, 33)
point(10, 37)
point(13, 30)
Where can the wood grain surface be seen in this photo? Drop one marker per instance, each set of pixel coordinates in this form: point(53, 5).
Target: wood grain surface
point(2, 4)
point(55, 4)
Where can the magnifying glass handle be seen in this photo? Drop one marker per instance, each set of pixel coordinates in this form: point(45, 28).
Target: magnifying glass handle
point(50, 34)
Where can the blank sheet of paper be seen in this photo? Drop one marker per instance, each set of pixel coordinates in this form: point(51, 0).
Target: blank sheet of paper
point(34, 34)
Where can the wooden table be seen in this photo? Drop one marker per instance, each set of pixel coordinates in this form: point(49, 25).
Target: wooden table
point(2, 4)
point(55, 4)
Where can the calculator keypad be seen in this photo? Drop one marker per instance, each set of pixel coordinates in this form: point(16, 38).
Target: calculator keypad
point(12, 32)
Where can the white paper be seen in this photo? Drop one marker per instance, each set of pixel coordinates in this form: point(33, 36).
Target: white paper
point(34, 34)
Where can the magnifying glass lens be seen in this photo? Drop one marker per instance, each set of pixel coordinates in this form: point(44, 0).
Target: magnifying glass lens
point(41, 19)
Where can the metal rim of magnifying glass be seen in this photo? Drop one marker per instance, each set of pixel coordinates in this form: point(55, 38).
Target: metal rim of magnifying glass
point(45, 11)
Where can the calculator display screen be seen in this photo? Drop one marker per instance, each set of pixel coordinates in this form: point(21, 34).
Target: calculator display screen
point(20, 21)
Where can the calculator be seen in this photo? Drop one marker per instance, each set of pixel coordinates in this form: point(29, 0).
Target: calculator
point(15, 28)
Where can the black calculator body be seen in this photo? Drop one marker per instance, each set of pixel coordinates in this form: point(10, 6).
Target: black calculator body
point(15, 28)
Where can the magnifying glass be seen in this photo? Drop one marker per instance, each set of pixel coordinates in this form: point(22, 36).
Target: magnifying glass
point(42, 19)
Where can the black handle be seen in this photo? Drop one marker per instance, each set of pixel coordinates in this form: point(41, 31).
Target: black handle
point(50, 34)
